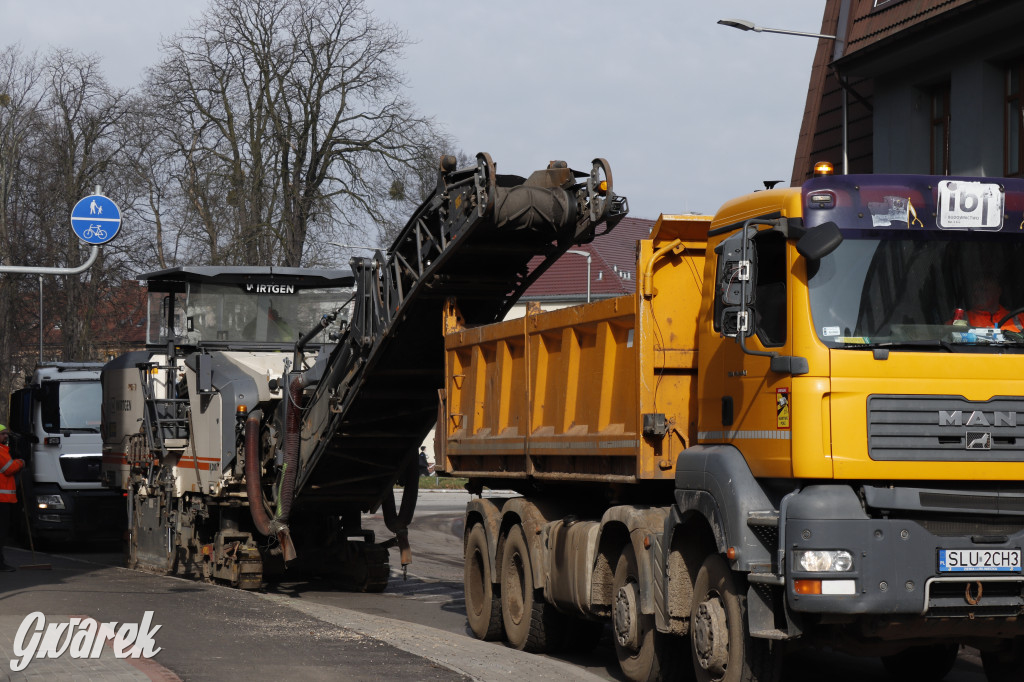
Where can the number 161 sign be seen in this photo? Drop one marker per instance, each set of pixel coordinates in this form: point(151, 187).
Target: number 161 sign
point(970, 206)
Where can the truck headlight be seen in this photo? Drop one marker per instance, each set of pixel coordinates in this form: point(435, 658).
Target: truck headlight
point(50, 502)
point(824, 560)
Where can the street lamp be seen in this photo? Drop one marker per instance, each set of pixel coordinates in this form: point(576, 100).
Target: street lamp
point(744, 25)
point(354, 246)
point(589, 261)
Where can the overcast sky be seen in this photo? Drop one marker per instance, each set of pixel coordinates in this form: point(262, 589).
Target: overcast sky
point(688, 113)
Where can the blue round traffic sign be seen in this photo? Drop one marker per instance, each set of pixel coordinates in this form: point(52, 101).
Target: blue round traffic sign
point(96, 219)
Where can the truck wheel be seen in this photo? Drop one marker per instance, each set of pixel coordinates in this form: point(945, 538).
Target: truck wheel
point(722, 648)
point(1006, 664)
point(632, 630)
point(929, 663)
point(531, 624)
point(483, 606)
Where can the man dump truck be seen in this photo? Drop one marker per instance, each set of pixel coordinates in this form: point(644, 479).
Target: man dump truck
point(56, 421)
point(274, 406)
point(785, 437)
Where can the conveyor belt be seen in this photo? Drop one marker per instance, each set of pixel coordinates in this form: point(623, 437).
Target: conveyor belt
point(474, 238)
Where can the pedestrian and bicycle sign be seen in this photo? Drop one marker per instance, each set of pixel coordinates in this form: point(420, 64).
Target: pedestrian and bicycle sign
point(96, 219)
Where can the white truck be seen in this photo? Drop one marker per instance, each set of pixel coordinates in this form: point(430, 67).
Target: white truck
point(56, 422)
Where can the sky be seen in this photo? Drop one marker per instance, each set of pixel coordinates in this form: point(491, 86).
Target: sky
point(687, 112)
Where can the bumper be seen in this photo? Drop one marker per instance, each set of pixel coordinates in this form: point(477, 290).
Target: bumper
point(896, 561)
point(89, 514)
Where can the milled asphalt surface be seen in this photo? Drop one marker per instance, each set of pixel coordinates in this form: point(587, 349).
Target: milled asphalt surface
point(211, 632)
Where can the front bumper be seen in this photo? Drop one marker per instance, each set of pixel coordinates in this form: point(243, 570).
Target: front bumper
point(896, 560)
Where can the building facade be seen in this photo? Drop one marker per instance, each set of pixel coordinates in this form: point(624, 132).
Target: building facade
point(916, 86)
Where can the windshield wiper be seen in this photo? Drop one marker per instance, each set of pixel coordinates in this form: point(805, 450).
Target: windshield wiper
point(911, 345)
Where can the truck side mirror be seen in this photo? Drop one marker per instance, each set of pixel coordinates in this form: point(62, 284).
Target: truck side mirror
point(819, 241)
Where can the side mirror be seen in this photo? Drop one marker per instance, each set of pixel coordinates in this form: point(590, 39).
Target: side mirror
point(819, 241)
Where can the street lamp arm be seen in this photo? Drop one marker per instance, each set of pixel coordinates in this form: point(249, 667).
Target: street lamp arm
point(31, 270)
point(744, 25)
point(579, 252)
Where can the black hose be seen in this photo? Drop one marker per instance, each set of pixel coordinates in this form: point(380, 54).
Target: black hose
point(411, 487)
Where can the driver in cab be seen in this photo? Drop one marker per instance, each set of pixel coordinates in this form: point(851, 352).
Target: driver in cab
point(985, 310)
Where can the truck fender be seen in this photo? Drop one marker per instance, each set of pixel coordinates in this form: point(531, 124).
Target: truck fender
point(532, 515)
point(644, 526)
point(486, 512)
point(715, 482)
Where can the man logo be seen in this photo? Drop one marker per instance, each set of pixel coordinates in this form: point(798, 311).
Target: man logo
point(979, 440)
point(977, 418)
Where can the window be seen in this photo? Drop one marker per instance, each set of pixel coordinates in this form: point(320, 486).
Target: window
point(1012, 151)
point(940, 130)
point(770, 297)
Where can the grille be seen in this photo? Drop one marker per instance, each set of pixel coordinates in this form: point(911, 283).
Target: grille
point(970, 527)
point(80, 468)
point(998, 599)
point(940, 428)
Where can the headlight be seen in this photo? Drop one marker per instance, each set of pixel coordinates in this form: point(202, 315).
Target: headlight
point(50, 502)
point(824, 560)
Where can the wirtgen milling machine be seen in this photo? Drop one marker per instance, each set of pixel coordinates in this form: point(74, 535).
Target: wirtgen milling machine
point(274, 406)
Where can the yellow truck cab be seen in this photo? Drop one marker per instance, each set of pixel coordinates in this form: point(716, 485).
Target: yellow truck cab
point(877, 422)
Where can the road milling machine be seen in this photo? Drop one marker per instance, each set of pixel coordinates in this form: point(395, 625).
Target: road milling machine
point(272, 406)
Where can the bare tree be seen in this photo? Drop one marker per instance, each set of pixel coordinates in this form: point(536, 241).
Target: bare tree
point(288, 116)
point(20, 96)
point(74, 144)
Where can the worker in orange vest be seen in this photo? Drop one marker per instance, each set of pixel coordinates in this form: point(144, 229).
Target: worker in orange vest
point(8, 491)
point(985, 309)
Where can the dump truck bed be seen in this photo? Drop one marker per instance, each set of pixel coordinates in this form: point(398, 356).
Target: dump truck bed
point(601, 392)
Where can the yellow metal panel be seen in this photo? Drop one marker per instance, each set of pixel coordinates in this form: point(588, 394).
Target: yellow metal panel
point(858, 375)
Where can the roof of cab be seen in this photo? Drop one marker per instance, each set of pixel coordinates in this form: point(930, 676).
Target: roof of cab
point(245, 274)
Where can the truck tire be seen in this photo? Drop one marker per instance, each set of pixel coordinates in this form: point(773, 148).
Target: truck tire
point(531, 624)
point(1006, 664)
point(721, 645)
point(483, 606)
point(644, 654)
point(930, 663)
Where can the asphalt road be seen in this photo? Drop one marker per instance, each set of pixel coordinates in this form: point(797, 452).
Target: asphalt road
point(429, 599)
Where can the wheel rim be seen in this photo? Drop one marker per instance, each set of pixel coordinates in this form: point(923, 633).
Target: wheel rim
point(711, 637)
point(475, 589)
point(516, 591)
point(625, 617)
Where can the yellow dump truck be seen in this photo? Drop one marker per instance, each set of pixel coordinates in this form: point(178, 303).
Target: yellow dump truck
point(796, 432)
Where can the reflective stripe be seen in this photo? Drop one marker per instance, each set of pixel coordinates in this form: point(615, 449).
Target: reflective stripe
point(743, 435)
point(6, 466)
point(7, 492)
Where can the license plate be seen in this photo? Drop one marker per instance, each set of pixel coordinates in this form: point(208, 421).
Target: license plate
point(978, 560)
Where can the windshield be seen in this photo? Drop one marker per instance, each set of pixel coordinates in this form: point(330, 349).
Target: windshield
point(910, 272)
point(71, 406)
point(914, 287)
point(244, 314)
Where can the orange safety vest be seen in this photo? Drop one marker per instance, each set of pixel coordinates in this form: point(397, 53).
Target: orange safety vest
point(987, 320)
point(8, 467)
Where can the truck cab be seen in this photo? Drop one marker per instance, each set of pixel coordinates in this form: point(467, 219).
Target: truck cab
point(56, 421)
point(866, 398)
